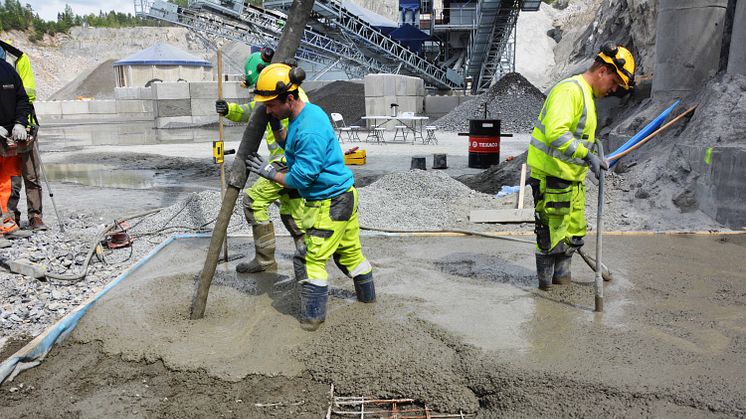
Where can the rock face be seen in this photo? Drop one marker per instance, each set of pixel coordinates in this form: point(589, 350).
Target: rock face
point(583, 29)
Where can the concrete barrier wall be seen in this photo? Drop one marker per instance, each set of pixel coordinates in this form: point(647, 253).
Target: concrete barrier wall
point(720, 190)
point(437, 106)
point(381, 90)
point(168, 104)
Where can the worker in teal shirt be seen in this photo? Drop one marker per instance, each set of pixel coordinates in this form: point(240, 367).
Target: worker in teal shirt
point(317, 171)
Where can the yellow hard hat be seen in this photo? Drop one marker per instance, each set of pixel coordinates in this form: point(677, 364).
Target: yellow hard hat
point(276, 79)
point(622, 60)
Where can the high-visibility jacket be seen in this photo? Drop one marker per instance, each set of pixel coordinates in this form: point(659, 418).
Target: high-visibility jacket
point(23, 67)
point(564, 131)
point(242, 113)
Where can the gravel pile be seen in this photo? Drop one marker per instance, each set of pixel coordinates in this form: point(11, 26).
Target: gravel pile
point(513, 100)
point(344, 97)
point(419, 200)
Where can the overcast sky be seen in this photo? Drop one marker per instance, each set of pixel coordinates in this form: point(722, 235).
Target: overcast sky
point(48, 9)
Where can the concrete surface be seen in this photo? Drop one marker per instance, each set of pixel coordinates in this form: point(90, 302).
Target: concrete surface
point(458, 326)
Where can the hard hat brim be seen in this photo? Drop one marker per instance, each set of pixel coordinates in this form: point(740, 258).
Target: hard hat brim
point(262, 98)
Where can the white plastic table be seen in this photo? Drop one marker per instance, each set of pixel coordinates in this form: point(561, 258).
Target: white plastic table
point(414, 123)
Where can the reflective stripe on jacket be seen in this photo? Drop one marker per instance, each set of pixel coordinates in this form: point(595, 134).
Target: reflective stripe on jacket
point(242, 113)
point(564, 131)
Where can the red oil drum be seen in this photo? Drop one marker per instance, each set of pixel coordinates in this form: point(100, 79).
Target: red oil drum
point(484, 143)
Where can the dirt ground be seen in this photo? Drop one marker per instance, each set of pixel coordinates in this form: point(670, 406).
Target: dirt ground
point(458, 326)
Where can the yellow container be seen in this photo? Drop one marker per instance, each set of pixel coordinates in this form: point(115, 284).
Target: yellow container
point(357, 157)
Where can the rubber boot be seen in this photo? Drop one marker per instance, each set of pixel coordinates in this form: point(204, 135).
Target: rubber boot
point(365, 289)
point(312, 306)
point(562, 270)
point(544, 270)
point(264, 243)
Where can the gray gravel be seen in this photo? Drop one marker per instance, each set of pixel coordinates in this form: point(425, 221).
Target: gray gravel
point(513, 100)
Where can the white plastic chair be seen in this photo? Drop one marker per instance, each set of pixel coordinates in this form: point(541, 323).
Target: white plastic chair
point(430, 135)
point(340, 126)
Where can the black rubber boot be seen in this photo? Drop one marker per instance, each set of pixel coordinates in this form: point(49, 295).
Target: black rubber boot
point(562, 270)
point(365, 289)
point(545, 270)
point(312, 306)
point(264, 245)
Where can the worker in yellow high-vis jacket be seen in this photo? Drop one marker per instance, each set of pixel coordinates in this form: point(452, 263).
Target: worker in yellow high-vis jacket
point(264, 192)
point(560, 154)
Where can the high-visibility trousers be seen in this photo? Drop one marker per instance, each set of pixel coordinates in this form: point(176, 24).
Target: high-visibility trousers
point(9, 167)
point(559, 207)
point(332, 231)
point(264, 193)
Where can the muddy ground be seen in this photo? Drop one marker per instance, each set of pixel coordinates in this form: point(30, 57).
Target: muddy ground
point(458, 326)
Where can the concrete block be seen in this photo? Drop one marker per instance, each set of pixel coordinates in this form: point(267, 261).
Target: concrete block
point(373, 85)
point(201, 107)
point(48, 108)
point(171, 91)
point(173, 122)
point(409, 104)
point(173, 107)
point(205, 119)
point(144, 93)
point(102, 107)
point(203, 90)
point(75, 107)
point(134, 106)
point(126, 93)
point(389, 85)
point(440, 105)
point(407, 86)
point(232, 89)
point(28, 268)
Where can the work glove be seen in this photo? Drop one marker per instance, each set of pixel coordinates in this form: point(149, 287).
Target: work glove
point(274, 123)
point(3, 132)
point(596, 164)
point(255, 163)
point(19, 132)
point(221, 107)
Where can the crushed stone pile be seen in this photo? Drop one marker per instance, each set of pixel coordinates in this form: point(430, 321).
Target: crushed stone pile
point(419, 200)
point(344, 97)
point(513, 100)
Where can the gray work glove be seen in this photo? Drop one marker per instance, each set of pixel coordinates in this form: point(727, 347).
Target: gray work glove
point(19, 132)
point(221, 107)
point(596, 164)
point(255, 163)
point(3, 132)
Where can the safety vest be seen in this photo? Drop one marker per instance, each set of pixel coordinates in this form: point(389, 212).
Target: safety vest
point(242, 113)
point(23, 67)
point(564, 131)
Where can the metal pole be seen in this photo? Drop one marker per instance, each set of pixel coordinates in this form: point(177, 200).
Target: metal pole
point(599, 282)
point(36, 153)
point(221, 137)
point(289, 42)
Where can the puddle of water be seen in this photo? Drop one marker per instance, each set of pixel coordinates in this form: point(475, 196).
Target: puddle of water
point(132, 133)
point(103, 176)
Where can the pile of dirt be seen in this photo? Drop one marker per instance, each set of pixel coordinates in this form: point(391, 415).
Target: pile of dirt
point(513, 100)
point(344, 97)
point(96, 84)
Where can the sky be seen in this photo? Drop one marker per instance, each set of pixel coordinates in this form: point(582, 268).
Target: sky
point(48, 9)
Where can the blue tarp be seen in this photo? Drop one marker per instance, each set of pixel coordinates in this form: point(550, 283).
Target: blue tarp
point(410, 36)
point(163, 54)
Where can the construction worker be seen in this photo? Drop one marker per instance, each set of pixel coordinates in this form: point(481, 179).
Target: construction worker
point(559, 156)
point(317, 170)
point(14, 117)
point(28, 155)
point(263, 192)
point(254, 65)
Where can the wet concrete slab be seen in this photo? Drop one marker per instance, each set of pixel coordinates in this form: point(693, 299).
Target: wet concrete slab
point(458, 325)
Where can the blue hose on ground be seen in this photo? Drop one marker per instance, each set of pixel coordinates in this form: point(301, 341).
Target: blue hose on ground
point(649, 128)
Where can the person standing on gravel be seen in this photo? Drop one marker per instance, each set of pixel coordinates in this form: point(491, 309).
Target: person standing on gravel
point(317, 170)
point(263, 192)
point(559, 156)
point(28, 155)
point(15, 111)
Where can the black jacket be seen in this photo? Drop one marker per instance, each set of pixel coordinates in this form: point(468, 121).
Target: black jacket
point(14, 104)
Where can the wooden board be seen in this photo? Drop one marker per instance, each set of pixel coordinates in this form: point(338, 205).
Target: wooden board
point(523, 215)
